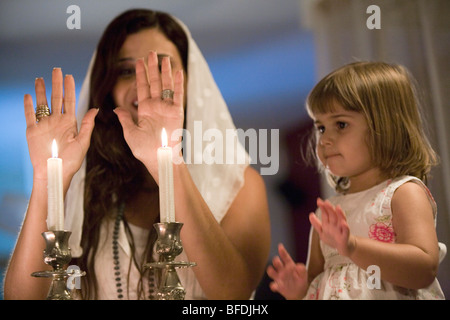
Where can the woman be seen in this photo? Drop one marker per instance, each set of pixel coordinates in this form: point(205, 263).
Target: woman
point(223, 207)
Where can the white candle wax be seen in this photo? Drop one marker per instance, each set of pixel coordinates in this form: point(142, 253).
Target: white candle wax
point(165, 173)
point(55, 216)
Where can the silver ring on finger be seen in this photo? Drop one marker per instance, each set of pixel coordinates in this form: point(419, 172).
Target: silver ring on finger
point(167, 94)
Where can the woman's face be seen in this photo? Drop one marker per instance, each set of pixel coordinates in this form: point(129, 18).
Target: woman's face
point(137, 46)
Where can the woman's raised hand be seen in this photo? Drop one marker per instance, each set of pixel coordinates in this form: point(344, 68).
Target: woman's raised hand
point(60, 125)
point(154, 111)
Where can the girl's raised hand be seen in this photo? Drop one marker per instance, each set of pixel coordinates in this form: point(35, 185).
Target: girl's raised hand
point(60, 125)
point(290, 279)
point(154, 111)
point(333, 229)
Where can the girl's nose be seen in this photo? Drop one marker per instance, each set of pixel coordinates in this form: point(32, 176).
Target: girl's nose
point(325, 139)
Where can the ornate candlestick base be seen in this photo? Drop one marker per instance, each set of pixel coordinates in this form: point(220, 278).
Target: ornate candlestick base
point(168, 246)
point(57, 254)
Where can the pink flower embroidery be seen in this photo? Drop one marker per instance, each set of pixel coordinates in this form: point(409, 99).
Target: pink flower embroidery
point(381, 232)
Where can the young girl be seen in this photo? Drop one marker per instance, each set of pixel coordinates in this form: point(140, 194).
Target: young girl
point(376, 238)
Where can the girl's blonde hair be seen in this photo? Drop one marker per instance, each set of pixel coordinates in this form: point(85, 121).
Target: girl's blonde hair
point(386, 96)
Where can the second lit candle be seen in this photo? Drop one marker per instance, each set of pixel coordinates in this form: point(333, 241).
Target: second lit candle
point(165, 173)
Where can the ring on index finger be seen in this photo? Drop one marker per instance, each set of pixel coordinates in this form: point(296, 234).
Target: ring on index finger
point(42, 111)
point(167, 93)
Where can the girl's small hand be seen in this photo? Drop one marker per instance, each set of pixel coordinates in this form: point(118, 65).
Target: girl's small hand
point(290, 279)
point(60, 125)
point(154, 113)
point(333, 229)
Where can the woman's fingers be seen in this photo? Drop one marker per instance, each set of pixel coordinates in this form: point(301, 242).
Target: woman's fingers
point(143, 90)
point(125, 120)
point(166, 74)
point(87, 125)
point(39, 87)
point(57, 91)
point(152, 81)
point(154, 77)
point(30, 116)
point(178, 97)
point(69, 95)
point(59, 98)
point(62, 96)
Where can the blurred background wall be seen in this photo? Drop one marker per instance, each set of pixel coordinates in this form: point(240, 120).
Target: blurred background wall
point(265, 56)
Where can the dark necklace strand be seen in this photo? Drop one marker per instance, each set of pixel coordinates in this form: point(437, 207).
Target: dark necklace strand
point(115, 249)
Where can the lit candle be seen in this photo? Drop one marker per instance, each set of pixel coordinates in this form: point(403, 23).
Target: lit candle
point(55, 216)
point(165, 172)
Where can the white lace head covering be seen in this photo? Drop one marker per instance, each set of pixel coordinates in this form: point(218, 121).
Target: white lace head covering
point(218, 183)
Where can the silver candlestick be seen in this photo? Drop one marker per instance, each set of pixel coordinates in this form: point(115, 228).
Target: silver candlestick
point(169, 246)
point(57, 254)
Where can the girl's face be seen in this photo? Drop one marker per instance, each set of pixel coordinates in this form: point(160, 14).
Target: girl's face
point(342, 146)
point(136, 46)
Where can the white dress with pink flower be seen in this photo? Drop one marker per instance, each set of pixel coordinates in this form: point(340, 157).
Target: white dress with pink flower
point(368, 215)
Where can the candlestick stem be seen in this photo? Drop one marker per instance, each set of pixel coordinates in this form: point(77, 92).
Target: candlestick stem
point(57, 254)
point(169, 246)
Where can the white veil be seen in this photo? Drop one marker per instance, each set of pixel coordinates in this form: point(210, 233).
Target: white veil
point(217, 183)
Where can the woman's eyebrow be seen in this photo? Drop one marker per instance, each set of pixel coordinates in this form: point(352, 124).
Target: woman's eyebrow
point(126, 59)
point(160, 56)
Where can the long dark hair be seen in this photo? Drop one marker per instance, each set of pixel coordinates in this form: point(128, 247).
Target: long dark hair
point(113, 174)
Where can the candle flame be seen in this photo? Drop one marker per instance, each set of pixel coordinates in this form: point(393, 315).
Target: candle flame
point(164, 138)
point(54, 149)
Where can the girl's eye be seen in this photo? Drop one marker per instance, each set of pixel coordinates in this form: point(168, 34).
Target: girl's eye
point(342, 125)
point(320, 129)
